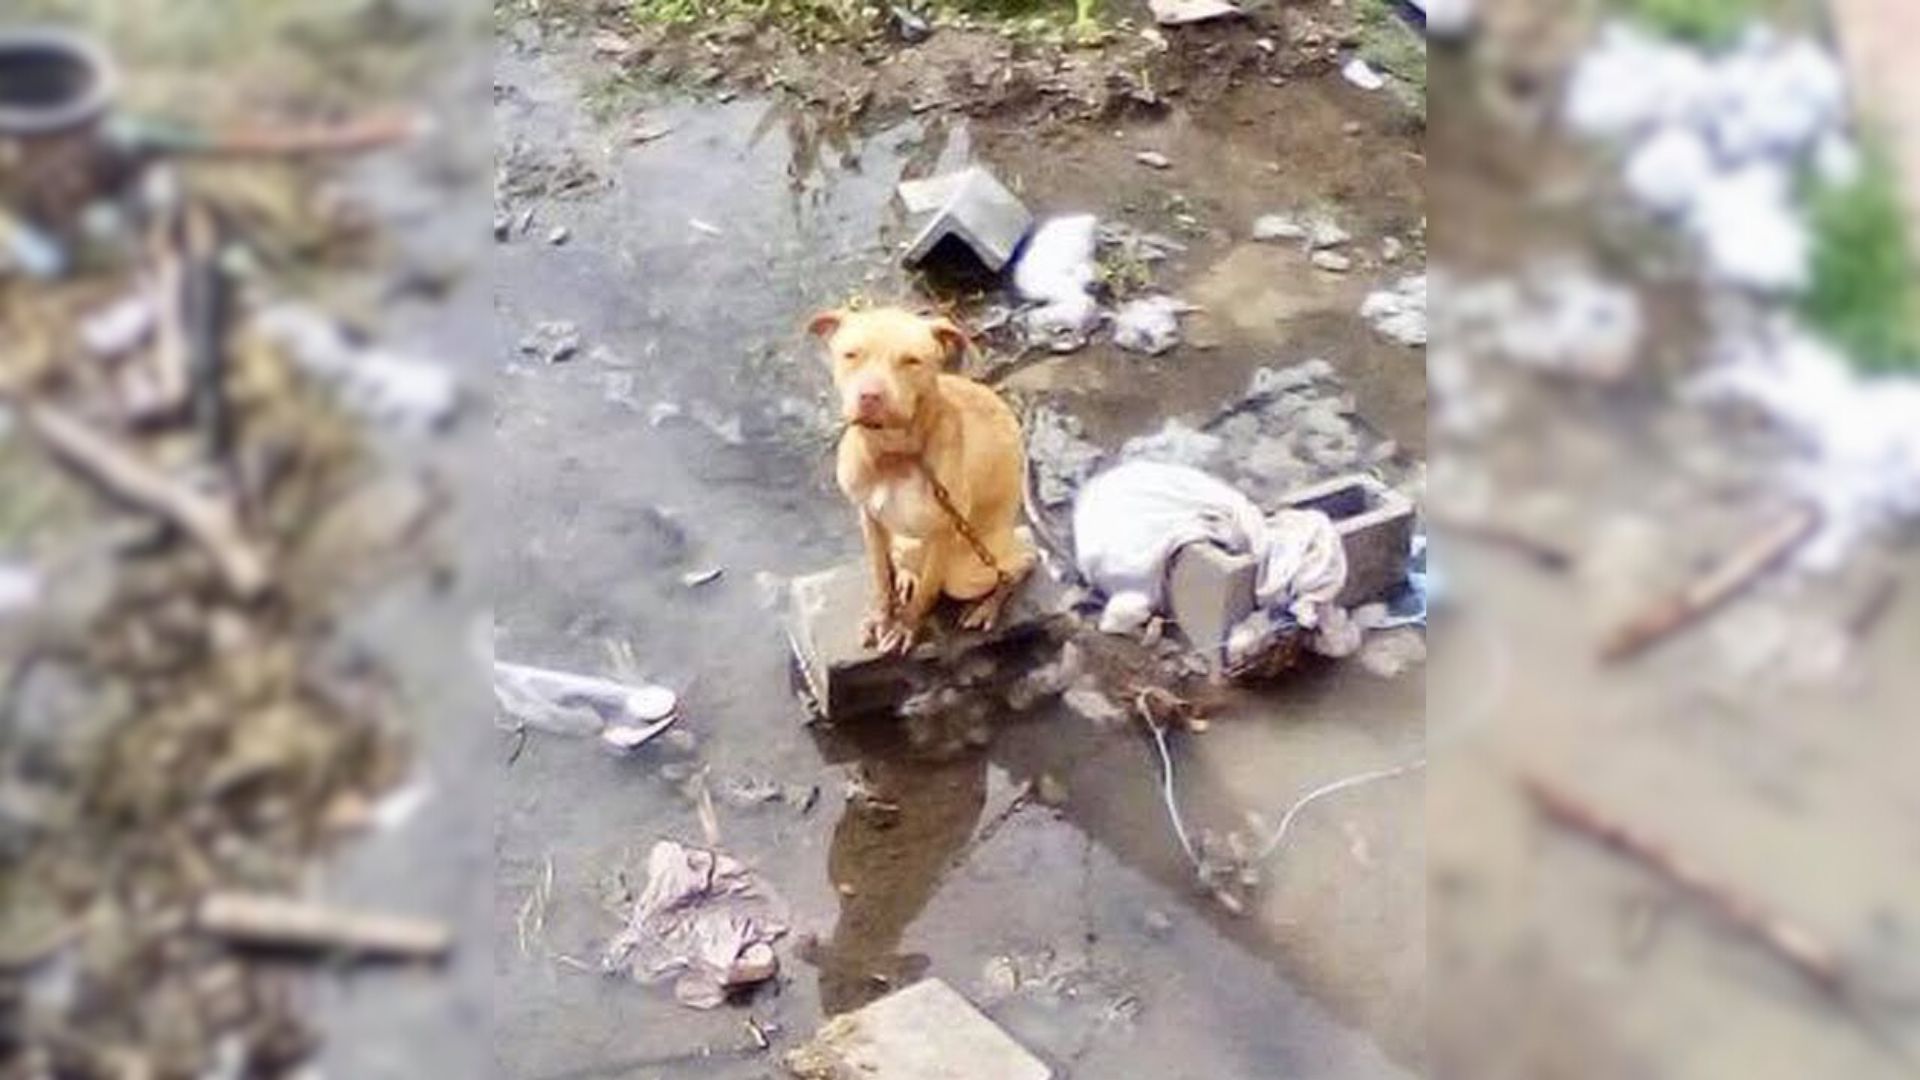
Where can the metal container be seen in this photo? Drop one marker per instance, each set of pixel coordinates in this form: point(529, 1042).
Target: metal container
point(55, 88)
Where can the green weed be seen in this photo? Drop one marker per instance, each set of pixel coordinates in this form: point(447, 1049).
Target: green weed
point(1865, 295)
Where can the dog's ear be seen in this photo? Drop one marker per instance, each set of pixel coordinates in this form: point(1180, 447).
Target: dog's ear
point(951, 338)
point(826, 323)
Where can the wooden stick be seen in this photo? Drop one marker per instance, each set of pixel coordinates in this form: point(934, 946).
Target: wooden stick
point(1548, 555)
point(119, 469)
point(285, 923)
point(1715, 588)
point(340, 137)
point(1797, 947)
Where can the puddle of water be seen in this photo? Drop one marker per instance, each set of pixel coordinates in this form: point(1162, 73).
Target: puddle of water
point(602, 510)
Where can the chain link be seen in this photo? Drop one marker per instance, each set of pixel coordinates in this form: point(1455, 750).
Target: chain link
point(961, 523)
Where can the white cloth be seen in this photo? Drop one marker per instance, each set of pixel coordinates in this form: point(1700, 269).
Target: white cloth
point(1130, 520)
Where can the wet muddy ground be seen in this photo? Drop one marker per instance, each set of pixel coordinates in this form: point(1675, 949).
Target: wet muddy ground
point(690, 432)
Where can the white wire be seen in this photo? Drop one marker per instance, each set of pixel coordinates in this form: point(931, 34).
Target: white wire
point(1328, 789)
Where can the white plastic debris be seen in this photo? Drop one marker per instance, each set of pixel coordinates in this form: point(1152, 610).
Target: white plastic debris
point(568, 704)
point(705, 920)
point(1568, 322)
point(119, 327)
point(20, 589)
point(1750, 232)
point(1446, 18)
point(404, 391)
point(1148, 325)
point(1670, 171)
point(1399, 313)
point(1361, 74)
point(1630, 82)
point(1859, 435)
point(1056, 268)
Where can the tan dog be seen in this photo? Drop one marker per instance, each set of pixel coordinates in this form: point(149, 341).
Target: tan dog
point(909, 425)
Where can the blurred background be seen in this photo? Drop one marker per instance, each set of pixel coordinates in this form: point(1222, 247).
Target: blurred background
point(241, 427)
point(1675, 413)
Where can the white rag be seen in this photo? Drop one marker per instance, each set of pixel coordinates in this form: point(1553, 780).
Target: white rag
point(1131, 519)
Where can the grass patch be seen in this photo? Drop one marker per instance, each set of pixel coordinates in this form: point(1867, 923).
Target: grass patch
point(1710, 22)
point(809, 20)
point(1388, 43)
point(1865, 296)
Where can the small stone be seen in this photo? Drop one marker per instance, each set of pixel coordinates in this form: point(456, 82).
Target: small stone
point(1158, 923)
point(1270, 228)
point(1353, 127)
point(1324, 232)
point(558, 235)
point(1153, 159)
point(845, 888)
point(554, 341)
point(1391, 249)
point(1332, 262)
point(502, 227)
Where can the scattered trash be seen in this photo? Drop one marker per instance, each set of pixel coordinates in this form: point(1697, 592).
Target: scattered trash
point(1153, 159)
point(282, 923)
point(1718, 139)
point(554, 341)
point(1056, 267)
point(567, 704)
point(978, 216)
point(386, 387)
point(1361, 74)
point(705, 920)
point(1148, 325)
point(927, 1031)
point(1182, 12)
point(1558, 319)
point(696, 578)
point(1399, 313)
point(1859, 435)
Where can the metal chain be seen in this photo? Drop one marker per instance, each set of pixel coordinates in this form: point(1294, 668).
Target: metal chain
point(961, 523)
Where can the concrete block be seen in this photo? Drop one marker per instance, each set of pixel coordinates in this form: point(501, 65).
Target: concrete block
point(1375, 524)
point(925, 1032)
point(1210, 590)
point(978, 214)
point(847, 680)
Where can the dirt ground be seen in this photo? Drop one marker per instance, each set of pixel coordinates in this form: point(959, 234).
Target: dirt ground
point(691, 432)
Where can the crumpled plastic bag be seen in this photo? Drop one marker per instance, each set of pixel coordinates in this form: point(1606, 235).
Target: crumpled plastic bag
point(706, 920)
point(1131, 519)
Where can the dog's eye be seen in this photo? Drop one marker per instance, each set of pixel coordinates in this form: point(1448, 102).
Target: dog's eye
point(911, 361)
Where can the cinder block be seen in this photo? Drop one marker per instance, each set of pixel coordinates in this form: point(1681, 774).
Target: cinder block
point(1375, 524)
point(847, 680)
point(924, 1032)
point(1210, 590)
point(975, 211)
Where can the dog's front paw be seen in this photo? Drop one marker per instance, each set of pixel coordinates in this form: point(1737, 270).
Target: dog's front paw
point(905, 587)
point(875, 627)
